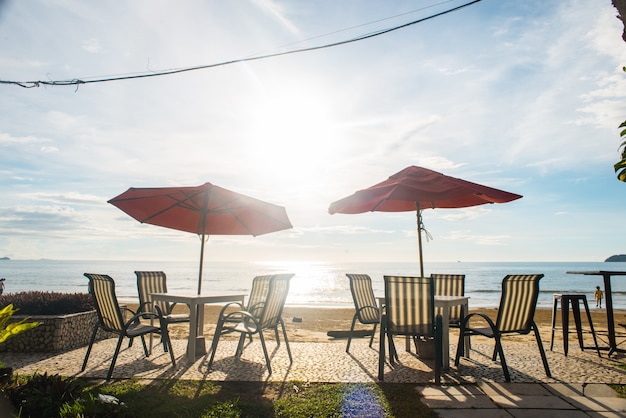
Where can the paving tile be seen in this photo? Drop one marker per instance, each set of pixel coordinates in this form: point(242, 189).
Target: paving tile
point(459, 402)
point(504, 389)
point(565, 389)
point(465, 390)
point(586, 403)
point(546, 413)
point(472, 413)
point(530, 402)
point(599, 389)
point(604, 414)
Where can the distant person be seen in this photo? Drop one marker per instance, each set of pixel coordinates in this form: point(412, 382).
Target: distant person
point(2, 280)
point(598, 295)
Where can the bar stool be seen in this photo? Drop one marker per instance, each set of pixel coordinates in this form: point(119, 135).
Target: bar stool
point(573, 300)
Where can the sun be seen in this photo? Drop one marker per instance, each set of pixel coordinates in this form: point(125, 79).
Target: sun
point(294, 135)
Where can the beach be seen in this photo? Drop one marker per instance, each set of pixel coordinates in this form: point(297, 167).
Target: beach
point(308, 324)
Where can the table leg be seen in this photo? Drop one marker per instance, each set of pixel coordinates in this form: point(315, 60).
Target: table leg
point(467, 342)
point(199, 340)
point(193, 329)
point(608, 299)
point(445, 340)
point(565, 323)
point(579, 329)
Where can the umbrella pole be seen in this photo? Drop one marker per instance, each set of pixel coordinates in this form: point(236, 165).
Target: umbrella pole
point(419, 237)
point(201, 264)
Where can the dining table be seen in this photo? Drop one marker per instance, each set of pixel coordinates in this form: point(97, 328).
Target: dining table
point(195, 341)
point(608, 295)
point(446, 303)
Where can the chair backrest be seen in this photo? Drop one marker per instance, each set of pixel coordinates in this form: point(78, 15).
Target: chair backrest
point(364, 299)
point(152, 282)
point(258, 294)
point(275, 301)
point(450, 285)
point(518, 303)
point(410, 305)
point(102, 290)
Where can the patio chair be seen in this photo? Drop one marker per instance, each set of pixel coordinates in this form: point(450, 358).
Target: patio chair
point(366, 308)
point(450, 285)
point(409, 311)
point(515, 316)
point(256, 300)
point(111, 319)
point(149, 282)
point(262, 316)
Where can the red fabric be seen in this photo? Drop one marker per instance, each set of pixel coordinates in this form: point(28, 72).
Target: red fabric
point(205, 209)
point(416, 185)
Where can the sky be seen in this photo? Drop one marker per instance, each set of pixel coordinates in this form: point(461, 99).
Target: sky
point(524, 96)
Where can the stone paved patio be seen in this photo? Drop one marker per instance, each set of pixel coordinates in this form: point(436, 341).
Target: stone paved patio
point(327, 362)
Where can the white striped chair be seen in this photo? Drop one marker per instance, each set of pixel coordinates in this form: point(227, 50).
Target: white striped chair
point(515, 316)
point(264, 315)
point(149, 282)
point(450, 285)
point(409, 311)
point(254, 305)
point(366, 308)
point(111, 319)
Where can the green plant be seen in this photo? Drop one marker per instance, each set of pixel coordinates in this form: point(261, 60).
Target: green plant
point(620, 167)
point(10, 330)
point(43, 395)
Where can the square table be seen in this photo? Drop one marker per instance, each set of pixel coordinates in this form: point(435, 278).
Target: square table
point(608, 296)
point(195, 342)
point(446, 303)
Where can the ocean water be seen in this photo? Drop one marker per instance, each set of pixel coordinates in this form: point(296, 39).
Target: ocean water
point(314, 284)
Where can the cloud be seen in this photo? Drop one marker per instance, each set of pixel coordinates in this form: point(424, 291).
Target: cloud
point(92, 45)
point(65, 198)
point(477, 239)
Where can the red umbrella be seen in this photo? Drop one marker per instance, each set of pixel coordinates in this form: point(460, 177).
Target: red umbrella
point(415, 189)
point(204, 210)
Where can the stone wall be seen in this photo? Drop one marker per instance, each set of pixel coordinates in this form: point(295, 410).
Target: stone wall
point(54, 334)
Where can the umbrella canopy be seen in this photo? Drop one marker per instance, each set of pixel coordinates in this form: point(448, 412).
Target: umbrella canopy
point(415, 189)
point(203, 210)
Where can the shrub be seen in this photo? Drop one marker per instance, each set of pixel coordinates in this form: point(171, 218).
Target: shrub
point(42, 395)
point(48, 303)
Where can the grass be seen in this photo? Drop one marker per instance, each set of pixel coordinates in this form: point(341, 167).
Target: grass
point(184, 398)
point(188, 398)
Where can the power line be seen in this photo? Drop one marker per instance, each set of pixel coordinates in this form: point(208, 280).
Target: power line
point(77, 82)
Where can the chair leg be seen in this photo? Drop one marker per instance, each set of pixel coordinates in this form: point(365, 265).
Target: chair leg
point(381, 351)
point(541, 350)
point(277, 336)
point(282, 324)
point(115, 354)
point(91, 341)
point(373, 334)
point(239, 350)
point(216, 338)
point(593, 331)
point(555, 303)
point(267, 357)
point(460, 347)
point(145, 347)
point(438, 348)
point(350, 335)
point(167, 344)
point(498, 350)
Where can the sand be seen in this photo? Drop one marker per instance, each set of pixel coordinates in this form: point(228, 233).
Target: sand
point(312, 324)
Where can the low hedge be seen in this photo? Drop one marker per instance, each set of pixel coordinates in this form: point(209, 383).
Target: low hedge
point(48, 303)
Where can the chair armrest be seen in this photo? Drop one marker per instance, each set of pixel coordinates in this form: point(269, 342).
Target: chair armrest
point(228, 305)
point(465, 321)
point(376, 308)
